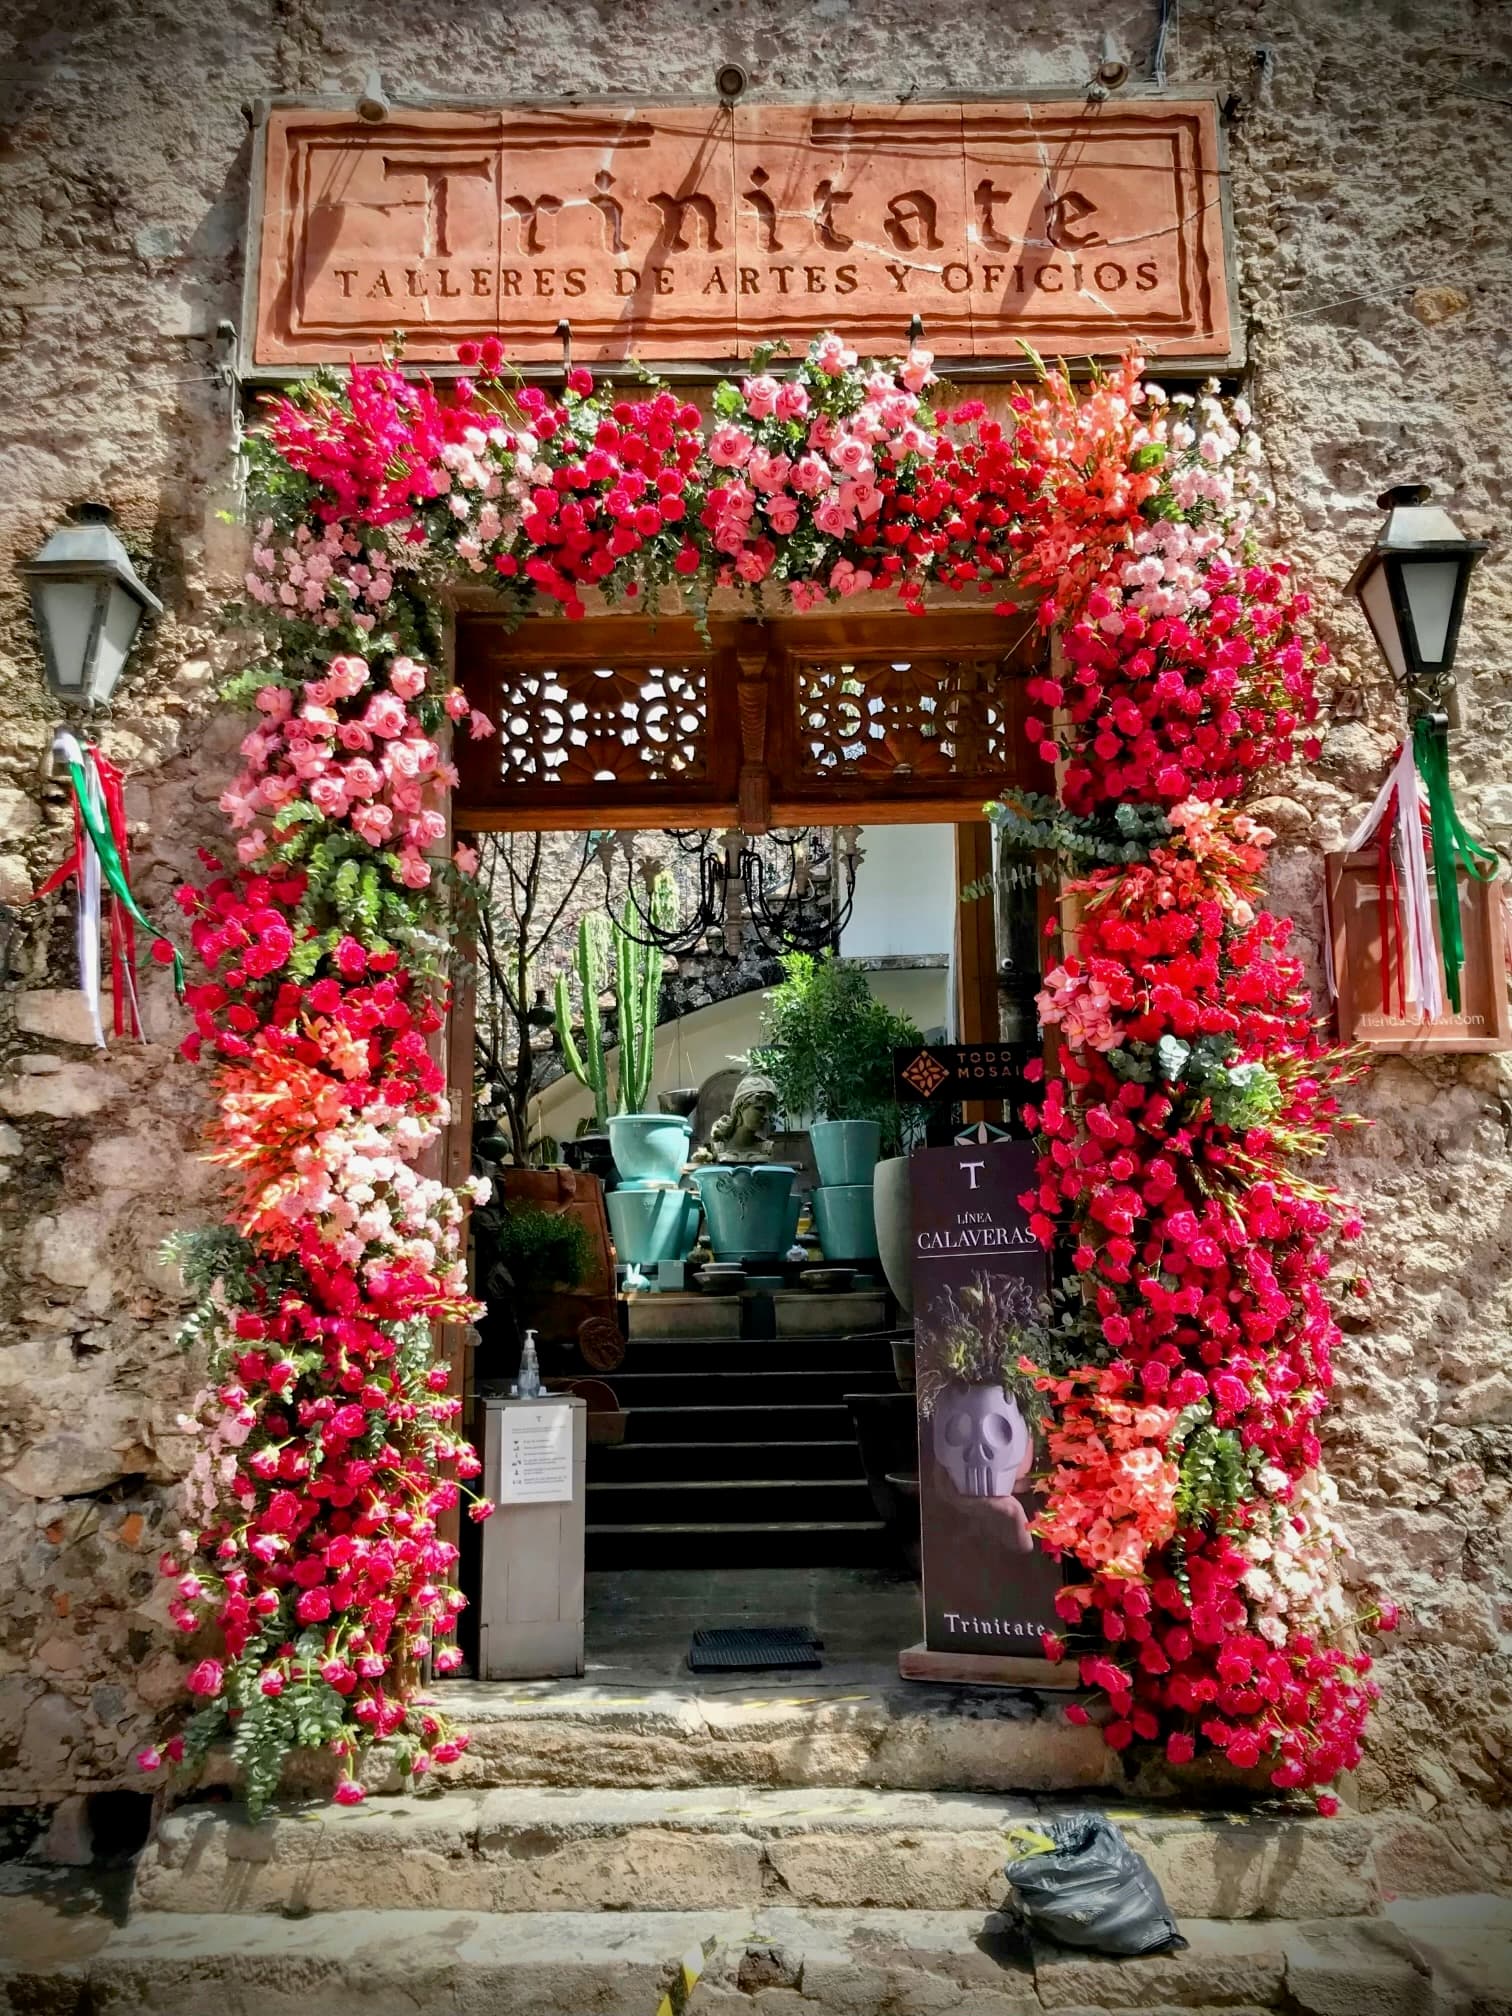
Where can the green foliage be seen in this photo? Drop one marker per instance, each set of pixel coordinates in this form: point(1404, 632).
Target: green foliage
point(540, 1248)
point(1239, 1096)
point(828, 1043)
point(1214, 1469)
point(221, 1270)
point(1040, 837)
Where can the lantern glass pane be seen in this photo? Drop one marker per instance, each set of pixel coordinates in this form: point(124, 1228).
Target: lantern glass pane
point(1375, 599)
point(66, 614)
point(122, 617)
point(1430, 586)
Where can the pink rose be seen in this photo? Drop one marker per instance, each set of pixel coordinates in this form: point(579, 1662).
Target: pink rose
point(385, 715)
point(465, 858)
point(832, 356)
point(456, 703)
point(349, 1793)
point(792, 401)
point(275, 701)
point(782, 513)
point(862, 496)
point(328, 795)
point(207, 1678)
point(372, 823)
point(916, 373)
point(852, 457)
point(479, 726)
point(729, 447)
point(810, 475)
point(250, 846)
point(414, 873)
point(361, 778)
point(832, 517)
point(760, 395)
point(407, 678)
point(352, 735)
point(426, 828)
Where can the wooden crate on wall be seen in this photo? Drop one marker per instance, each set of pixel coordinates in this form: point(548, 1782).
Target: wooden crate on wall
point(1484, 1022)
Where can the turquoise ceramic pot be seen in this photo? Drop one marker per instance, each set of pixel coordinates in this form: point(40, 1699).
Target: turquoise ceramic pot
point(650, 1147)
point(846, 1221)
point(845, 1151)
point(747, 1208)
point(652, 1223)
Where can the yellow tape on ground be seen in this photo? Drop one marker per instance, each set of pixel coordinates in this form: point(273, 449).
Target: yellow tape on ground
point(691, 1965)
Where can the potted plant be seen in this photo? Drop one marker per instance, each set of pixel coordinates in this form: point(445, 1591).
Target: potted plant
point(828, 1044)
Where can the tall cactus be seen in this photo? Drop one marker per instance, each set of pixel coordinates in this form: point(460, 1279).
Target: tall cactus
point(589, 1065)
point(638, 979)
point(637, 1003)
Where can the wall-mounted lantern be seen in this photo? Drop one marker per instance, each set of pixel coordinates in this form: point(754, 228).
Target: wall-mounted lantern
point(1411, 585)
point(88, 603)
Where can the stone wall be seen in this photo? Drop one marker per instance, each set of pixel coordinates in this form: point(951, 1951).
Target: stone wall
point(1371, 187)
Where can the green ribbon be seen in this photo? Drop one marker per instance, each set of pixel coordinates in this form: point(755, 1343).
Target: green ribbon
point(1454, 847)
point(103, 841)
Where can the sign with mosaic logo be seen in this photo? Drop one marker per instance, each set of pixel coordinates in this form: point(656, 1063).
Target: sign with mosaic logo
point(694, 232)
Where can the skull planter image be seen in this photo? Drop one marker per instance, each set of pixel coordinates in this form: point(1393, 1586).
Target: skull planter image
point(981, 1438)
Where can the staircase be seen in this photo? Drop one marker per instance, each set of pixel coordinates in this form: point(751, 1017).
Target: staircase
point(528, 1900)
point(738, 1453)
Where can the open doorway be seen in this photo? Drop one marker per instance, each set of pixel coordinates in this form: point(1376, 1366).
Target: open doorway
point(751, 1453)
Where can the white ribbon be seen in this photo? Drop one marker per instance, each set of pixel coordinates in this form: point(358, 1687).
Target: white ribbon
point(1425, 984)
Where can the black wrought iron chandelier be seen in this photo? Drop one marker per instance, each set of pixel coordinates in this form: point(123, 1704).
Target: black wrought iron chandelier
point(789, 890)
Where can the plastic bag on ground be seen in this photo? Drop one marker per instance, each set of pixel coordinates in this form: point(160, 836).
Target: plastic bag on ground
point(1092, 1890)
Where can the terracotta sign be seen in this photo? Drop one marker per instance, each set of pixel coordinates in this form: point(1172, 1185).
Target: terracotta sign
point(693, 233)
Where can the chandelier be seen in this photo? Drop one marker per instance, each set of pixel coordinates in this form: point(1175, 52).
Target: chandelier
point(789, 890)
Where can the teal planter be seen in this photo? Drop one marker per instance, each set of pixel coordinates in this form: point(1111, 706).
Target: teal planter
point(845, 1151)
point(747, 1206)
point(652, 1224)
point(650, 1147)
point(846, 1222)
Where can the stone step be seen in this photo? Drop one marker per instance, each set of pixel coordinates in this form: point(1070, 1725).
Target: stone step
point(863, 1352)
point(744, 1542)
point(533, 1848)
point(844, 1726)
point(782, 1495)
point(816, 1383)
point(637, 1462)
point(720, 1422)
point(769, 1962)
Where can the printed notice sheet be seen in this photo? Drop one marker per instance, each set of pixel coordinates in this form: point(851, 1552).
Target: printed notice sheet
point(535, 1455)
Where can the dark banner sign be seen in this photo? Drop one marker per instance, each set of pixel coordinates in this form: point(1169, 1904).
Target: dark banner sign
point(931, 1074)
point(978, 1275)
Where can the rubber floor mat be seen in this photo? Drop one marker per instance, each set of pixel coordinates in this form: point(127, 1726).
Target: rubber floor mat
point(749, 1648)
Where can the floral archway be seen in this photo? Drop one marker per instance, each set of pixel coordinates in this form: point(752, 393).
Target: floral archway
point(1186, 1354)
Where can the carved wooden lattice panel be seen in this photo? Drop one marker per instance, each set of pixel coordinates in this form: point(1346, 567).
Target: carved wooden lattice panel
point(923, 716)
point(604, 724)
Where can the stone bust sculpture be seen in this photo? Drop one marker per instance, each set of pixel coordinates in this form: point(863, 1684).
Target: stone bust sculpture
point(745, 1132)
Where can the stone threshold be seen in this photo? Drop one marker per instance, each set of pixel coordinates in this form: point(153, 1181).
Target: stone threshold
point(853, 1725)
point(769, 1962)
point(532, 1849)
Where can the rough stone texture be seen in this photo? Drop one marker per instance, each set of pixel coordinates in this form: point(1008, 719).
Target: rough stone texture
point(543, 1848)
point(1371, 182)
